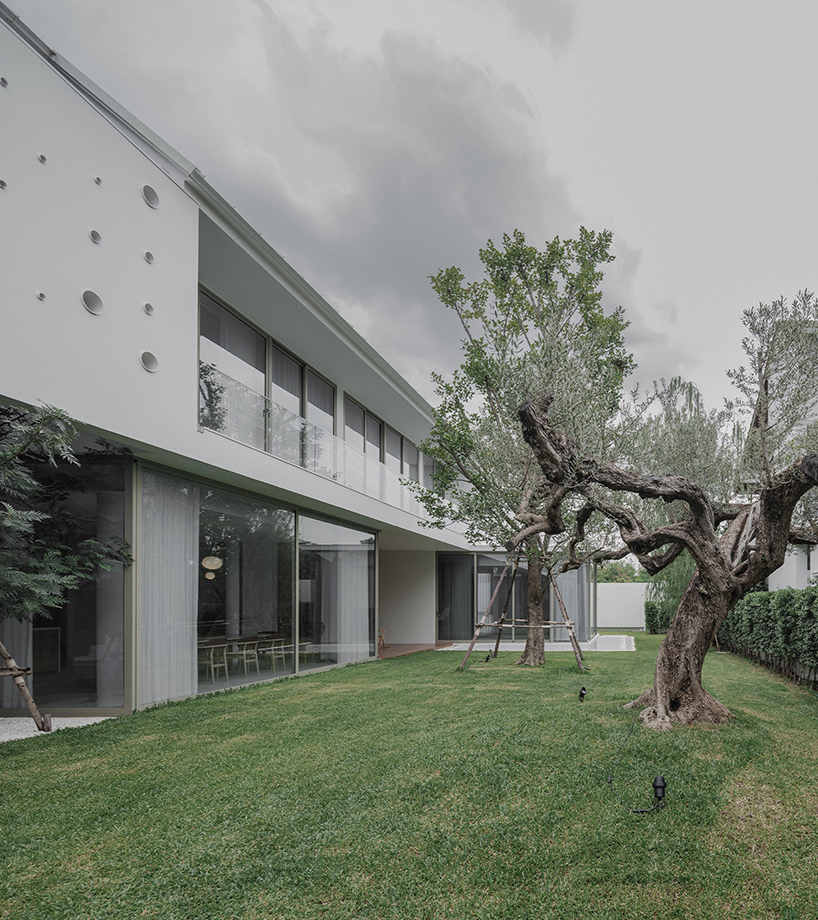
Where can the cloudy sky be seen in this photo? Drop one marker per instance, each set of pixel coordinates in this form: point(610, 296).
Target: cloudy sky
point(373, 142)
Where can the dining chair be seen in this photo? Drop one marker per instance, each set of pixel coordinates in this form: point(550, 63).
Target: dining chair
point(213, 657)
point(246, 652)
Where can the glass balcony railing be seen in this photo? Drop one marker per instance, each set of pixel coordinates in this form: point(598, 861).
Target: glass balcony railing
point(240, 413)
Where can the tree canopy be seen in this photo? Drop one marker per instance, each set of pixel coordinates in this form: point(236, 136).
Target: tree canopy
point(726, 486)
point(39, 561)
point(534, 323)
point(618, 572)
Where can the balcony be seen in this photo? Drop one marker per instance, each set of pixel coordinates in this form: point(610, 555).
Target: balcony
point(238, 412)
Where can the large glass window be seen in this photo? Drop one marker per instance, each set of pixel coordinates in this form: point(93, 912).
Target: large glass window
point(287, 382)
point(354, 425)
point(77, 654)
point(292, 415)
point(411, 461)
point(489, 571)
point(336, 593)
point(217, 588)
point(392, 450)
point(362, 433)
point(373, 437)
point(320, 402)
point(232, 375)
point(462, 599)
point(232, 345)
point(455, 595)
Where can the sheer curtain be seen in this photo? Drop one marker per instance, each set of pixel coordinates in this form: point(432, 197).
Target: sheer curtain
point(170, 549)
point(325, 624)
point(353, 590)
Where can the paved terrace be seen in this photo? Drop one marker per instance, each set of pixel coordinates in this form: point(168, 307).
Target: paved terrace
point(597, 644)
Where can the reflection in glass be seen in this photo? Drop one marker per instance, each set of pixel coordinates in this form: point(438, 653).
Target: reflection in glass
point(336, 592)
point(202, 633)
point(77, 654)
point(455, 603)
point(489, 571)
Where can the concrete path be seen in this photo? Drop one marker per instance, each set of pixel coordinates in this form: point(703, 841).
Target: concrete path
point(24, 727)
point(597, 644)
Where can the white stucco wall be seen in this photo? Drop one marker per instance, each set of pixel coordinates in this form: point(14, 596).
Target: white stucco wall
point(407, 596)
point(794, 573)
point(54, 349)
point(620, 606)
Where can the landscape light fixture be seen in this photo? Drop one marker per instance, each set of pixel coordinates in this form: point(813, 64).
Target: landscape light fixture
point(659, 791)
point(582, 693)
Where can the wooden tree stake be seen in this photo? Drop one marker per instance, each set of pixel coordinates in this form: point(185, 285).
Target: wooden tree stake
point(15, 672)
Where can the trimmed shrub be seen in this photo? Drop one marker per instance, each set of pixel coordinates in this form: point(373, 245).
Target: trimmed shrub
point(776, 628)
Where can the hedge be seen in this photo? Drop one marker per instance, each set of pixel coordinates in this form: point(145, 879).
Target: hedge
point(776, 628)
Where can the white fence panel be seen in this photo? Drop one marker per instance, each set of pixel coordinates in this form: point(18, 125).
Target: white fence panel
point(620, 606)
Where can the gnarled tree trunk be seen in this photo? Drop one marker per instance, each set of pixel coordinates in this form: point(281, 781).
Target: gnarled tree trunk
point(729, 563)
point(677, 694)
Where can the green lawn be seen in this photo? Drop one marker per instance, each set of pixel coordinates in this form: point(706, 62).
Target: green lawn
point(407, 789)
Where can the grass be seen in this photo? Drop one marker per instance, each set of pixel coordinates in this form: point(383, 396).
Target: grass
point(407, 789)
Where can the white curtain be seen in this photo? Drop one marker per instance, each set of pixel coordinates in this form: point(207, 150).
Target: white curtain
point(16, 636)
point(353, 590)
point(170, 550)
point(569, 585)
point(110, 620)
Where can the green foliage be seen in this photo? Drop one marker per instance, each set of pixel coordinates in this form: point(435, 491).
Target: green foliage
point(40, 555)
point(666, 589)
point(671, 431)
point(778, 389)
point(778, 626)
point(621, 572)
point(652, 617)
point(533, 325)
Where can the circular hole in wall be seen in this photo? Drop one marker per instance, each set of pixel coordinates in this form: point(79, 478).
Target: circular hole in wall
point(98, 180)
point(149, 361)
point(4, 81)
point(149, 309)
point(41, 296)
point(150, 196)
point(149, 257)
point(96, 236)
point(42, 158)
point(92, 302)
point(2, 183)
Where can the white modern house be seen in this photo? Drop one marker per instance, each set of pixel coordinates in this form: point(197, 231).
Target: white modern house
point(261, 489)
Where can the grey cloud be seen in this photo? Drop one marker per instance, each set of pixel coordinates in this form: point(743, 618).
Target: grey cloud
point(432, 162)
point(552, 20)
point(368, 173)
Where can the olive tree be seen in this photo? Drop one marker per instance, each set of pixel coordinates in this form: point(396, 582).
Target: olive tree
point(534, 323)
point(730, 490)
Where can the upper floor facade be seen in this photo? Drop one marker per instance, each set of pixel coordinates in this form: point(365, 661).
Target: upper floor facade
point(143, 304)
